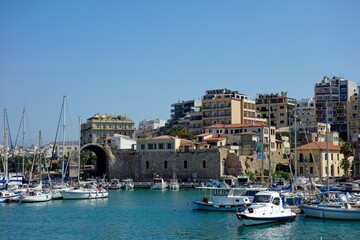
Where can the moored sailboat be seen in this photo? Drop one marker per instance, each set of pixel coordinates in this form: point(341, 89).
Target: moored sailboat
point(331, 208)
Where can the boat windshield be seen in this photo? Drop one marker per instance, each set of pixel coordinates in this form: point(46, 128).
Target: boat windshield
point(261, 199)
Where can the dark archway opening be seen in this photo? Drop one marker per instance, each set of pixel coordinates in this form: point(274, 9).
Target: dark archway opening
point(100, 162)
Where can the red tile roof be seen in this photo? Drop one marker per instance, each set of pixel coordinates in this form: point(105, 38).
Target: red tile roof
point(318, 146)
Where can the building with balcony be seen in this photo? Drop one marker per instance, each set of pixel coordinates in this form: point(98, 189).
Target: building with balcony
point(181, 110)
point(147, 128)
point(314, 155)
point(305, 112)
point(331, 103)
point(102, 126)
point(223, 106)
point(354, 117)
point(281, 109)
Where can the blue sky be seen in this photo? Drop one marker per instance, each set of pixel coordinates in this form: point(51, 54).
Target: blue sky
point(139, 57)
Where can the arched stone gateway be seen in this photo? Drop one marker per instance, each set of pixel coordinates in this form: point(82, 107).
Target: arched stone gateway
point(104, 157)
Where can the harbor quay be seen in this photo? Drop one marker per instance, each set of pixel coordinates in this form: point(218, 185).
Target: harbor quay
point(148, 184)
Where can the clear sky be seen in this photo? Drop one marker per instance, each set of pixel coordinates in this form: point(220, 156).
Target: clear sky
point(138, 57)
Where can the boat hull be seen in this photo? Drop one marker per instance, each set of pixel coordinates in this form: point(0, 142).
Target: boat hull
point(331, 212)
point(80, 194)
point(34, 199)
point(249, 220)
point(201, 205)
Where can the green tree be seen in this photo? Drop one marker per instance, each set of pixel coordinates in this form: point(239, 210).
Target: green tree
point(181, 132)
point(347, 149)
point(345, 164)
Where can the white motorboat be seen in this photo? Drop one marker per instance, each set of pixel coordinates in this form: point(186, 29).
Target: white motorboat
point(224, 198)
point(266, 207)
point(8, 196)
point(115, 184)
point(89, 191)
point(159, 184)
point(174, 184)
point(127, 184)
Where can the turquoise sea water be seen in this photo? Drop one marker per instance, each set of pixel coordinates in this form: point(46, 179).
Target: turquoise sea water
point(146, 214)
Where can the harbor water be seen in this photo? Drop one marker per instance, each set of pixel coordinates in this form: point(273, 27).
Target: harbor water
point(147, 214)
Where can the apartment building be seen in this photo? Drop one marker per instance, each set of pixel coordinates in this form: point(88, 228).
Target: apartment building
point(305, 112)
point(354, 118)
point(101, 126)
point(333, 95)
point(147, 128)
point(181, 111)
point(224, 106)
point(281, 108)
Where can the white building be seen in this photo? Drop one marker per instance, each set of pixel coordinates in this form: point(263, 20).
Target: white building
point(147, 127)
point(119, 141)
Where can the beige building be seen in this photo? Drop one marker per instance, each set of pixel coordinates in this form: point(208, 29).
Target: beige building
point(223, 106)
point(281, 108)
point(354, 118)
point(314, 155)
point(101, 126)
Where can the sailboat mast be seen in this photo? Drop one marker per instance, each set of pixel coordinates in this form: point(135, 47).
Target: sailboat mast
point(79, 150)
point(63, 143)
point(6, 144)
point(23, 143)
point(270, 174)
point(327, 148)
point(39, 167)
point(295, 145)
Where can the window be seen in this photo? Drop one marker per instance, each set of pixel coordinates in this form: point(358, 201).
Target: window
point(169, 146)
point(147, 165)
point(161, 146)
point(142, 146)
point(311, 157)
point(165, 164)
point(276, 201)
point(204, 164)
point(185, 164)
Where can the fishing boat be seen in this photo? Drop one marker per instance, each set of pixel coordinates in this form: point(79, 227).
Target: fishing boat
point(89, 191)
point(159, 183)
point(224, 198)
point(127, 184)
point(266, 207)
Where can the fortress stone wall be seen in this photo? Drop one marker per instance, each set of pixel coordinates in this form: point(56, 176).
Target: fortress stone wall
point(197, 164)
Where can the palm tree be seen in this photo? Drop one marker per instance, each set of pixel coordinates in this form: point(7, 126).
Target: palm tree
point(345, 164)
point(348, 150)
point(181, 132)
